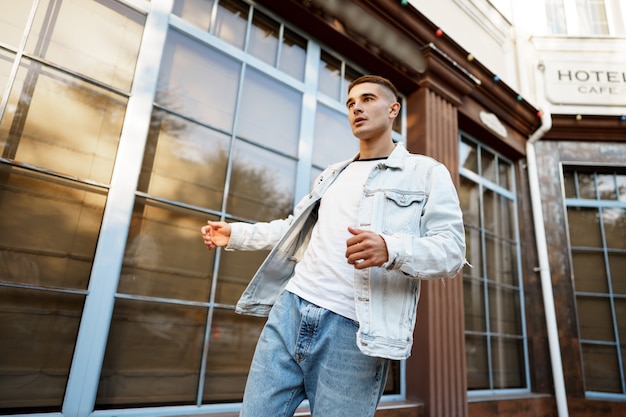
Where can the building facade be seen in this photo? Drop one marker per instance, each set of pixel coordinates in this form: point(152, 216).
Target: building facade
point(126, 124)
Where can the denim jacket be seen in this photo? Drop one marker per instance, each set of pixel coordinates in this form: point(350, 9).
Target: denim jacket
point(411, 201)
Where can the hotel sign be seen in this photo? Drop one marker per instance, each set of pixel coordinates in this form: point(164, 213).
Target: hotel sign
point(592, 84)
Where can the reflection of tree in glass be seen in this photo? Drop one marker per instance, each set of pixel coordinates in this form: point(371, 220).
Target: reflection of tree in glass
point(257, 193)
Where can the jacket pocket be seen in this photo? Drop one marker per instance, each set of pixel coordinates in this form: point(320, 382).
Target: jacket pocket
point(403, 211)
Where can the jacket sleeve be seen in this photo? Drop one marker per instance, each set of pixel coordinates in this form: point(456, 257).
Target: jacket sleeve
point(257, 236)
point(439, 249)
point(262, 235)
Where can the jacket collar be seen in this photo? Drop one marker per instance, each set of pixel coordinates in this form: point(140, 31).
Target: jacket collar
point(394, 160)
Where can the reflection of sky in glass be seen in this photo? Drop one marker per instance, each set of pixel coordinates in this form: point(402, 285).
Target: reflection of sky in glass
point(330, 76)
point(197, 81)
point(293, 54)
point(94, 38)
point(606, 187)
point(621, 187)
point(231, 22)
point(269, 113)
point(198, 13)
point(263, 41)
point(334, 140)
point(83, 139)
point(467, 156)
point(12, 20)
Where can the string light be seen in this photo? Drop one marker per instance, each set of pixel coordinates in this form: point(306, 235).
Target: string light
point(439, 33)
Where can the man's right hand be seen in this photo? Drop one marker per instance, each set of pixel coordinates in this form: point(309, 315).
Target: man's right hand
point(215, 234)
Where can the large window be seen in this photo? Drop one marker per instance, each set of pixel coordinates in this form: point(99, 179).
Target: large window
point(596, 217)
point(495, 333)
point(108, 299)
point(66, 80)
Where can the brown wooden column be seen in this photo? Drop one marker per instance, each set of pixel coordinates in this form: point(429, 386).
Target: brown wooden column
point(436, 371)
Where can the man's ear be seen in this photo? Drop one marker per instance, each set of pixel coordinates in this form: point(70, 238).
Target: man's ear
point(394, 109)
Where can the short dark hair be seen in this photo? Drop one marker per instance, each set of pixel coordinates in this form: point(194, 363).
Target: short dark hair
point(376, 79)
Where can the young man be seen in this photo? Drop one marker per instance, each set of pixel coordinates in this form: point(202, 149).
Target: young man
point(342, 281)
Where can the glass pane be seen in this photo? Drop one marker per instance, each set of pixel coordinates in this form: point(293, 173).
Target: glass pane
point(38, 331)
point(153, 355)
point(569, 184)
point(505, 174)
point(498, 214)
point(592, 19)
point(163, 257)
point(231, 346)
point(329, 81)
point(469, 196)
point(474, 305)
point(12, 20)
point(333, 139)
point(584, 227)
point(235, 271)
point(185, 162)
point(293, 54)
point(262, 184)
point(595, 319)
point(264, 34)
point(555, 17)
point(350, 74)
point(76, 34)
point(508, 363)
point(474, 253)
point(64, 217)
point(6, 61)
point(198, 13)
point(394, 376)
point(504, 310)
point(477, 362)
point(198, 82)
point(88, 120)
point(589, 271)
point(231, 22)
point(468, 156)
point(269, 113)
point(586, 185)
point(488, 165)
point(501, 260)
point(615, 227)
point(621, 187)
point(617, 266)
point(601, 368)
point(606, 187)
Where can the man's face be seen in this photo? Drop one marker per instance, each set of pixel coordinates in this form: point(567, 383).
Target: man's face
point(371, 110)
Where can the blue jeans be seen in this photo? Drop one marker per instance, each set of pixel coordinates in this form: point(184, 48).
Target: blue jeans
point(305, 351)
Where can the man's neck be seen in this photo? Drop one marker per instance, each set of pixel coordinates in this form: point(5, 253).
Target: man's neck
point(376, 149)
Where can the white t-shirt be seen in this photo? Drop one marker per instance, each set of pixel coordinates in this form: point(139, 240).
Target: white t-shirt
point(323, 276)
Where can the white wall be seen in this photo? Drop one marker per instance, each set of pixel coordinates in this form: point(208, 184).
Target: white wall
point(479, 28)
